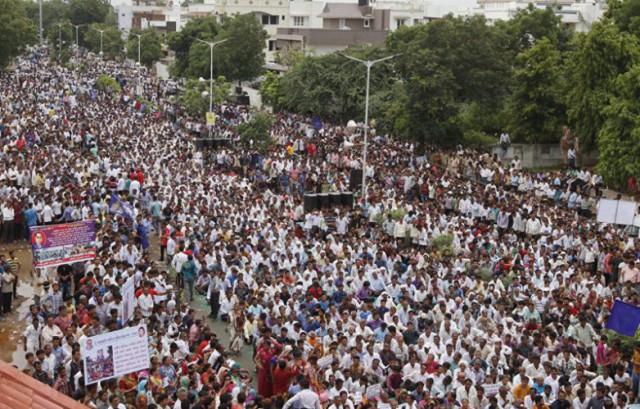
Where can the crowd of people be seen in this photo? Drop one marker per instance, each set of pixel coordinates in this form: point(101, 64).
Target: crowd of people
point(456, 280)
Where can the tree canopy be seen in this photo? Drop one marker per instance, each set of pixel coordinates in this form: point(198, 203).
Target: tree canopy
point(17, 30)
point(150, 46)
point(112, 42)
point(241, 57)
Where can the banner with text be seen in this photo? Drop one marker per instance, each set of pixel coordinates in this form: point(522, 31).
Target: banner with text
point(66, 243)
point(115, 354)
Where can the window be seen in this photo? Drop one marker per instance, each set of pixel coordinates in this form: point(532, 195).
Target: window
point(367, 23)
point(400, 22)
point(272, 45)
point(298, 21)
point(270, 20)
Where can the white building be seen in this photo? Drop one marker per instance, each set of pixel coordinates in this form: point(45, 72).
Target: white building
point(579, 14)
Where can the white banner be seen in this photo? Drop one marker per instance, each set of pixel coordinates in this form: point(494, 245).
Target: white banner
point(115, 354)
point(128, 300)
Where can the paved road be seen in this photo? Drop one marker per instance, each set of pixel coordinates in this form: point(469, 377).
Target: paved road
point(219, 328)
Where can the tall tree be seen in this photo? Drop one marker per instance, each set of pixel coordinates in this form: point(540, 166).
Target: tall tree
point(55, 34)
point(537, 109)
point(150, 46)
point(532, 24)
point(89, 11)
point(112, 42)
point(334, 86)
point(204, 28)
point(619, 138)
point(53, 11)
point(242, 56)
point(445, 65)
point(597, 60)
point(17, 30)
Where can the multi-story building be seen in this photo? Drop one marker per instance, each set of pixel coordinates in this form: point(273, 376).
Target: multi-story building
point(578, 14)
point(319, 28)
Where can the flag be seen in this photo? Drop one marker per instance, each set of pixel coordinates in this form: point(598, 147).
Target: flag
point(317, 123)
point(624, 319)
point(119, 207)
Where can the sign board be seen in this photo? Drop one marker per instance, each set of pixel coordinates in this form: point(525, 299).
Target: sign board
point(616, 211)
point(373, 391)
point(114, 354)
point(325, 361)
point(66, 243)
point(491, 389)
point(211, 118)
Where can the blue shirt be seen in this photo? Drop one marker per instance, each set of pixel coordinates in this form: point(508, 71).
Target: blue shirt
point(31, 217)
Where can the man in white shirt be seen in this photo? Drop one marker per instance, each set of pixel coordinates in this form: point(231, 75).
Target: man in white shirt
point(305, 399)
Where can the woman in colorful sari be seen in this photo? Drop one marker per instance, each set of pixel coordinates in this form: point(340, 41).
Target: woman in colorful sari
point(128, 385)
point(145, 397)
point(262, 360)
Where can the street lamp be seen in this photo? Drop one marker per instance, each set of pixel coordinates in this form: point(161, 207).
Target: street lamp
point(77, 26)
point(40, 22)
point(368, 64)
point(211, 44)
point(101, 33)
point(59, 40)
point(139, 36)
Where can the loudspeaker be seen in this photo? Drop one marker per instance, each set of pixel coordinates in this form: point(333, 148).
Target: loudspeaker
point(238, 90)
point(243, 100)
point(310, 202)
point(355, 179)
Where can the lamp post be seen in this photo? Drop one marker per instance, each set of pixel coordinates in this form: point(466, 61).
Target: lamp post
point(211, 44)
point(59, 39)
point(368, 64)
point(77, 26)
point(101, 34)
point(40, 22)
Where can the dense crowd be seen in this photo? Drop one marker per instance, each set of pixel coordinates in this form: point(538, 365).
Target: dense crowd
point(455, 281)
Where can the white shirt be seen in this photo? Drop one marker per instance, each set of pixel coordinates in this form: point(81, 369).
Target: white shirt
point(306, 399)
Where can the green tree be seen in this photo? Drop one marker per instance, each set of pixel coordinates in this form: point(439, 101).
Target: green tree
point(446, 65)
point(619, 138)
point(204, 28)
point(112, 42)
point(242, 57)
point(271, 91)
point(195, 100)
point(532, 24)
point(150, 46)
point(89, 11)
point(17, 30)
point(334, 86)
point(537, 107)
point(625, 14)
point(53, 11)
point(64, 32)
point(256, 132)
point(597, 60)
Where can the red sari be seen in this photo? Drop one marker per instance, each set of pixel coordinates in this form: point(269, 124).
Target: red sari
point(264, 372)
point(281, 379)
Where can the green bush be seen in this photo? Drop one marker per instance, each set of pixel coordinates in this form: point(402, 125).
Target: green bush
point(257, 131)
point(443, 242)
point(106, 83)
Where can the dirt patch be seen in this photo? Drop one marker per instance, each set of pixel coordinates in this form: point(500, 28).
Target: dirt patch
point(14, 324)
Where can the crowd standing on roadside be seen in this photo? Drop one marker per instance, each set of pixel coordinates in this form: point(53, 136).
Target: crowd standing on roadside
point(456, 280)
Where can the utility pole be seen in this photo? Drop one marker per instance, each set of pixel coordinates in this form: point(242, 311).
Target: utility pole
point(368, 64)
point(40, 21)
